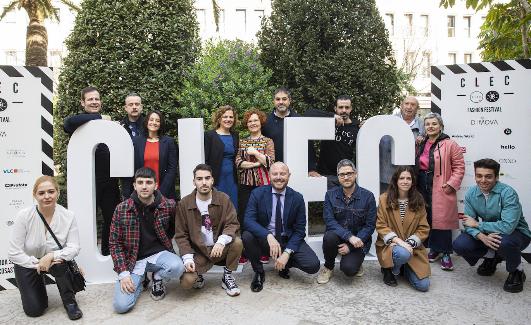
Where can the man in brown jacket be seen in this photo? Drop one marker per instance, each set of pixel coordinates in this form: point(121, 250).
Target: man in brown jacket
point(207, 233)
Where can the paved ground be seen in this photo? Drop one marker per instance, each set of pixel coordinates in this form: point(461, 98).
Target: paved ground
point(458, 297)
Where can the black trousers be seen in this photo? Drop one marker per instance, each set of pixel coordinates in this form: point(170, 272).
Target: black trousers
point(350, 263)
point(303, 259)
point(107, 198)
point(33, 290)
point(244, 192)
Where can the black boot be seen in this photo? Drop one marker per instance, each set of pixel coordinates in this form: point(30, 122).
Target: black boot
point(488, 267)
point(258, 281)
point(389, 277)
point(515, 282)
point(284, 273)
point(73, 311)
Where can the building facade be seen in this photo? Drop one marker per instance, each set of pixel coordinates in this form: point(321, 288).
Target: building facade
point(421, 33)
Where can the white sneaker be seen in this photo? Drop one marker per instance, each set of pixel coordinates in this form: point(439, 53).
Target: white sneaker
point(199, 282)
point(325, 275)
point(229, 284)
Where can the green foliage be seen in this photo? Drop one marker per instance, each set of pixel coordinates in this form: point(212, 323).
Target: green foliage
point(126, 46)
point(324, 48)
point(228, 73)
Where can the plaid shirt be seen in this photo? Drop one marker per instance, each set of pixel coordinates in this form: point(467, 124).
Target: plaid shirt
point(124, 239)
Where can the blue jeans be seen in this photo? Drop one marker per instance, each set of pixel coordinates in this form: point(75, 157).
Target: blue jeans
point(400, 257)
point(511, 247)
point(168, 266)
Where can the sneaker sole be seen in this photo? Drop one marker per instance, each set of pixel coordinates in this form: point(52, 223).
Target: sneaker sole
point(227, 290)
point(157, 298)
point(265, 262)
point(447, 268)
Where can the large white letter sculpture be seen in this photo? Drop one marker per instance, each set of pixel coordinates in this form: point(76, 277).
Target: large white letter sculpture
point(367, 151)
point(297, 132)
point(82, 191)
point(191, 151)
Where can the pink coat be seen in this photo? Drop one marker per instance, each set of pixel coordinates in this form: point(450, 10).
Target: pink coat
point(449, 169)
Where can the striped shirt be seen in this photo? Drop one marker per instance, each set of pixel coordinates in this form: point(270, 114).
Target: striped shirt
point(256, 176)
point(402, 205)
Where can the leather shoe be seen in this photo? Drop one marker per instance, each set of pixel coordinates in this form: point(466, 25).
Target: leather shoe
point(488, 267)
point(258, 282)
point(389, 277)
point(73, 311)
point(284, 274)
point(515, 282)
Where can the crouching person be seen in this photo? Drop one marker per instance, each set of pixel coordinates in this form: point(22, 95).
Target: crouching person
point(402, 226)
point(206, 231)
point(138, 242)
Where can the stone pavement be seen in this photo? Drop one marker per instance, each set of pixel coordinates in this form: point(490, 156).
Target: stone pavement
point(458, 297)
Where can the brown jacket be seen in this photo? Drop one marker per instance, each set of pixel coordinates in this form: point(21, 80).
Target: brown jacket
point(188, 222)
point(415, 224)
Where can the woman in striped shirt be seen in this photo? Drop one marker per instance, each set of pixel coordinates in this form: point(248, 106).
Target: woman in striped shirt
point(402, 227)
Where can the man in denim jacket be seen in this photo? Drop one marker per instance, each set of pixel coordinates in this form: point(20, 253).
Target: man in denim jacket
point(494, 226)
point(350, 216)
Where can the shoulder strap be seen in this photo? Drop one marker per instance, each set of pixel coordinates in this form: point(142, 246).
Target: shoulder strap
point(48, 227)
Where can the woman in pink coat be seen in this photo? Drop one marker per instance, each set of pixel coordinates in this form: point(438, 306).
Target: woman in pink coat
point(441, 167)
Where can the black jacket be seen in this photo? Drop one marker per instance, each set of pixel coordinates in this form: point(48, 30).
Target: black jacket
point(214, 148)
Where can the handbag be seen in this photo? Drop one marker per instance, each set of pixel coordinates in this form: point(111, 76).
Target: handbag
point(73, 273)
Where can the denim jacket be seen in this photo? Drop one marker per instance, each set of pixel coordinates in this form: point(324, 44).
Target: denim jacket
point(357, 217)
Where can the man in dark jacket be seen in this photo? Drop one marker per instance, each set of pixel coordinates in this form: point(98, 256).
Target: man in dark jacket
point(275, 225)
point(133, 122)
point(139, 242)
point(107, 191)
point(350, 216)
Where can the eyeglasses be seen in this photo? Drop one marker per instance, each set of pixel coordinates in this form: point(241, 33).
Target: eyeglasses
point(346, 175)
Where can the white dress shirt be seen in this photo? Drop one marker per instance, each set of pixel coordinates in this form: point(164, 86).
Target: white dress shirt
point(30, 240)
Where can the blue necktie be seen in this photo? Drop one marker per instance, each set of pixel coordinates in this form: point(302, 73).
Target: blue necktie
point(278, 216)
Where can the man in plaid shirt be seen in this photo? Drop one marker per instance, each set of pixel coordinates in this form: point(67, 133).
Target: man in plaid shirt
point(139, 242)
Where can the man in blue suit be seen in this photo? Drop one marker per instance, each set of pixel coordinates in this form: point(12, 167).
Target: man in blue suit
point(275, 224)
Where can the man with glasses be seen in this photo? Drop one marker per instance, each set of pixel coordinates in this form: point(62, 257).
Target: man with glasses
point(350, 216)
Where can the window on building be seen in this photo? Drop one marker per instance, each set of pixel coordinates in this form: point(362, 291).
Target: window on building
point(10, 17)
point(390, 23)
point(468, 58)
point(426, 64)
point(467, 22)
point(409, 24)
point(55, 58)
point(11, 58)
point(201, 19)
point(452, 58)
point(241, 22)
point(425, 25)
point(451, 26)
point(258, 15)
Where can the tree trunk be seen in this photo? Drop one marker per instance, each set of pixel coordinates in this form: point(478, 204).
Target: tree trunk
point(523, 31)
point(36, 45)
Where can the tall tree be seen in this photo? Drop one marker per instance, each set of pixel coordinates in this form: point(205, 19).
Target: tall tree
point(36, 34)
point(324, 48)
point(506, 32)
point(127, 46)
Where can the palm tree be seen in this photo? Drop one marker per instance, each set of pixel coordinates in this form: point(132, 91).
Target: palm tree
point(36, 34)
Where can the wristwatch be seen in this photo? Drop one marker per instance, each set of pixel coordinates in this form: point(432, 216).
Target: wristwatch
point(289, 251)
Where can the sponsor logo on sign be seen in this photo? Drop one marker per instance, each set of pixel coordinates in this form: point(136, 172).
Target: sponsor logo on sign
point(507, 147)
point(3, 104)
point(483, 122)
point(16, 203)
point(507, 161)
point(507, 131)
point(463, 136)
point(476, 97)
point(492, 96)
point(487, 109)
point(15, 185)
point(16, 153)
point(15, 171)
point(463, 149)
point(506, 175)
point(3, 134)
point(4, 119)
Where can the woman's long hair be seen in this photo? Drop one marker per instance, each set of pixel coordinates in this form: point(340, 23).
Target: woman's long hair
point(415, 200)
